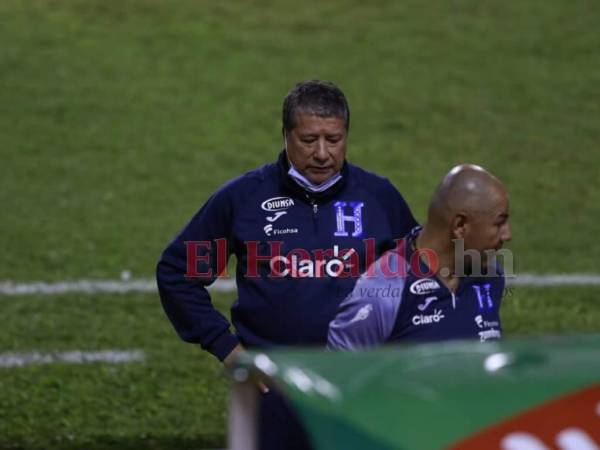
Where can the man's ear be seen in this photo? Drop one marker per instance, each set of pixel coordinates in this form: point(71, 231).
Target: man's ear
point(459, 226)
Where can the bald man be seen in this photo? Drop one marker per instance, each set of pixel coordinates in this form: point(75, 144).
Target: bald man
point(443, 281)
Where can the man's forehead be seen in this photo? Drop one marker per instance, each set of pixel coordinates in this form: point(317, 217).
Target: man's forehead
point(499, 202)
point(306, 121)
point(492, 205)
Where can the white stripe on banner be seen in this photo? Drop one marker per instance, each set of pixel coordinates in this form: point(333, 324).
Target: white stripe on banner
point(19, 359)
point(10, 288)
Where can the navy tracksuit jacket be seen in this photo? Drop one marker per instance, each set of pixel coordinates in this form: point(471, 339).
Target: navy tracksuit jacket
point(298, 255)
point(283, 298)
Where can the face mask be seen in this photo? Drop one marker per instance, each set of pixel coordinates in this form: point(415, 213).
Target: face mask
point(309, 185)
point(305, 182)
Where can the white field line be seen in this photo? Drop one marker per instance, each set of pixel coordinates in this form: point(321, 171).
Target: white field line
point(96, 287)
point(559, 279)
point(20, 359)
point(10, 288)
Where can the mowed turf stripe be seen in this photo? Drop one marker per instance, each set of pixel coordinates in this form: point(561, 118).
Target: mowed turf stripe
point(9, 288)
point(21, 359)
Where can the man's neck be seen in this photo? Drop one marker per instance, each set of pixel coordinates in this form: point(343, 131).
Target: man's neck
point(443, 249)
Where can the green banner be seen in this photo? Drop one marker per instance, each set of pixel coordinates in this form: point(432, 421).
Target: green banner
point(531, 394)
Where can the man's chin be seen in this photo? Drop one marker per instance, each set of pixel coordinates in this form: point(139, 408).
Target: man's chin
point(319, 177)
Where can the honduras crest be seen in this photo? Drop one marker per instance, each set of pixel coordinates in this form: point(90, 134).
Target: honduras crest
point(348, 218)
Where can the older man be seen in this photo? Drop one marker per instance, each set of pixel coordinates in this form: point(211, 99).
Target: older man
point(443, 281)
point(302, 230)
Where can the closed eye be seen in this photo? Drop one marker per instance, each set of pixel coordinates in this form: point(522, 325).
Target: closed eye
point(501, 220)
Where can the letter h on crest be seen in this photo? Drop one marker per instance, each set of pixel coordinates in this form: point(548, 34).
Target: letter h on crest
point(484, 297)
point(342, 218)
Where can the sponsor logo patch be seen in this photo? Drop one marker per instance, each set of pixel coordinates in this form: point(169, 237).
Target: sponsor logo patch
point(362, 313)
point(277, 204)
point(486, 323)
point(423, 306)
point(332, 265)
point(424, 286)
point(489, 334)
point(427, 319)
point(479, 321)
point(270, 231)
point(276, 216)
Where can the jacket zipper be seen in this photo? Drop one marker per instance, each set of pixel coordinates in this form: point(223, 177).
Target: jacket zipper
point(315, 207)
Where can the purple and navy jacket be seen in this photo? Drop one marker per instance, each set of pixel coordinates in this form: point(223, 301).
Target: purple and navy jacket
point(391, 302)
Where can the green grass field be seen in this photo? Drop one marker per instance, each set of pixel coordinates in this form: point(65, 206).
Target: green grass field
point(119, 118)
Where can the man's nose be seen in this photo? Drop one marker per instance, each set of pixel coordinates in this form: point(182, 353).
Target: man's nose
point(321, 153)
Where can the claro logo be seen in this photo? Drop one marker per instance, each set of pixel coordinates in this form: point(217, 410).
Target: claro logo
point(277, 204)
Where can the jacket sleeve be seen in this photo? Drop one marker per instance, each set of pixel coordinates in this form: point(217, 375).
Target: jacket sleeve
point(182, 287)
point(367, 315)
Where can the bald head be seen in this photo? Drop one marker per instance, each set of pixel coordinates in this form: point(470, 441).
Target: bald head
point(468, 190)
point(468, 220)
